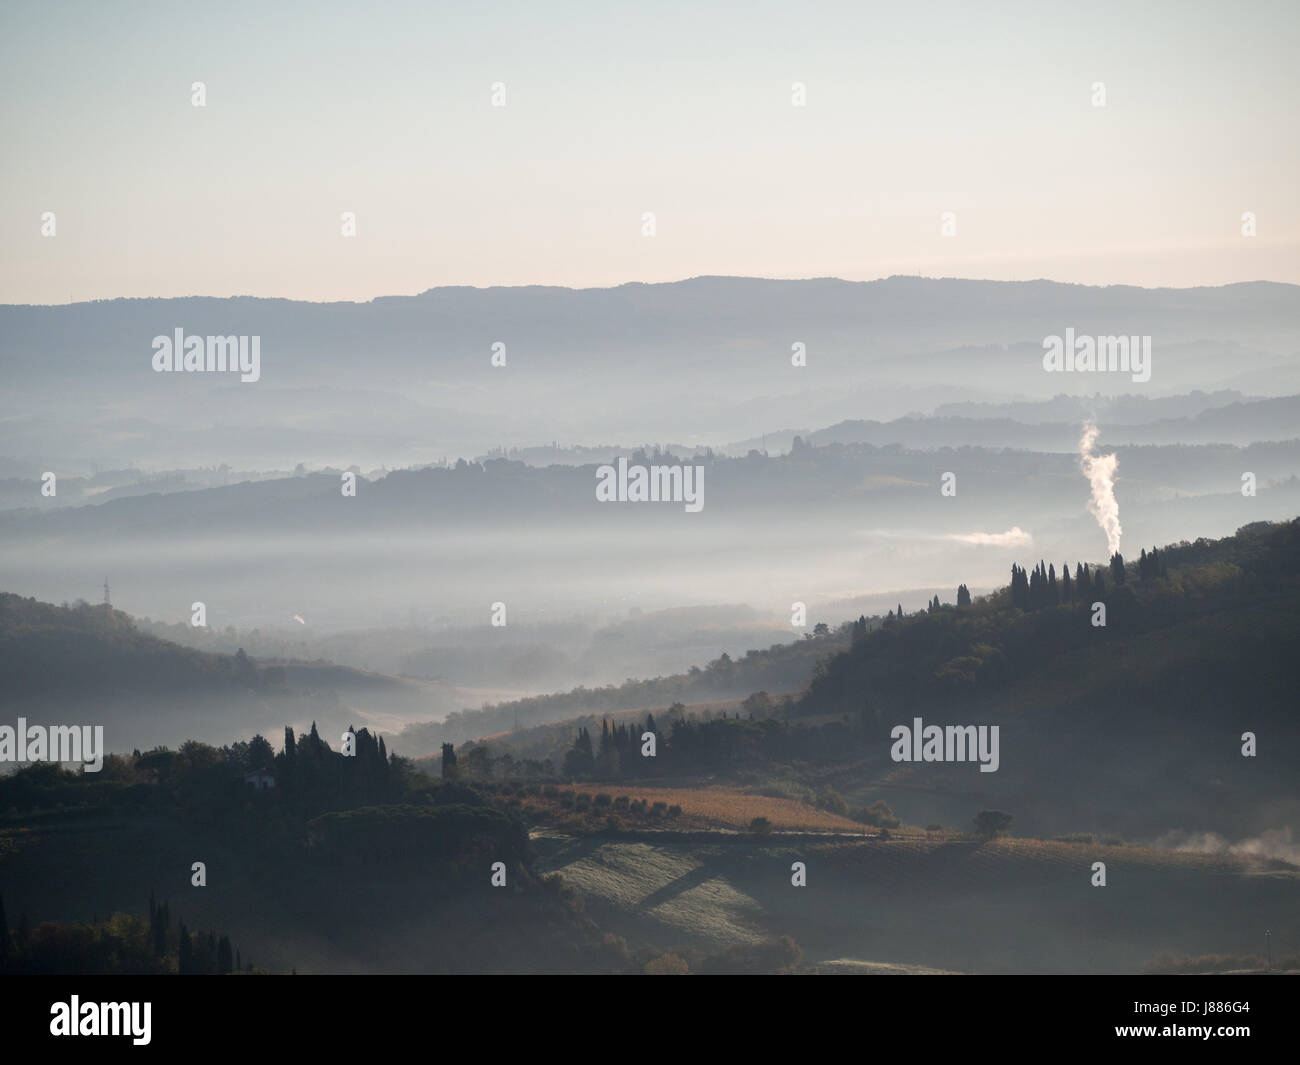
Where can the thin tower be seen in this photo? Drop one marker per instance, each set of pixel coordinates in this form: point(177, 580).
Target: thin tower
point(106, 602)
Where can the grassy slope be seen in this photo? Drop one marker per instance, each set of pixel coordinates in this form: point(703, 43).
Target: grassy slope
point(1013, 905)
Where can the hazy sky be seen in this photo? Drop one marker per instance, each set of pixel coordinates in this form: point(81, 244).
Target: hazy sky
point(613, 110)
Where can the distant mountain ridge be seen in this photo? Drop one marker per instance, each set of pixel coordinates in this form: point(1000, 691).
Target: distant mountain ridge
point(405, 379)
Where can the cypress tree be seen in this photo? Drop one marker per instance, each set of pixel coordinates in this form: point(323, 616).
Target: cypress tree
point(161, 925)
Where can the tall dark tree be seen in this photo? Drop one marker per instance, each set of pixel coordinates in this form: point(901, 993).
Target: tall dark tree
point(1117, 569)
point(607, 758)
point(1149, 565)
point(963, 595)
point(449, 769)
point(159, 925)
point(1067, 588)
point(580, 760)
point(1019, 587)
point(261, 755)
point(989, 823)
point(5, 941)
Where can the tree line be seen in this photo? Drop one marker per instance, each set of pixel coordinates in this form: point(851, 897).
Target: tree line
point(123, 944)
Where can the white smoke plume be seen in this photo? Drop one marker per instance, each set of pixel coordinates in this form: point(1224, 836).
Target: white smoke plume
point(1013, 537)
point(1100, 471)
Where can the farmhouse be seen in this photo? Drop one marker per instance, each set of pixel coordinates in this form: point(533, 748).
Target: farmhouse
point(260, 779)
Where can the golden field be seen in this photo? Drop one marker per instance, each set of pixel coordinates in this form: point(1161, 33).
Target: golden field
point(727, 808)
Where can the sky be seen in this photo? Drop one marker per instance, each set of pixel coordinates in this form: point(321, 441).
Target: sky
point(614, 111)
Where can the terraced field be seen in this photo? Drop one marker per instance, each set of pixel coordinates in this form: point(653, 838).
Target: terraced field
point(922, 905)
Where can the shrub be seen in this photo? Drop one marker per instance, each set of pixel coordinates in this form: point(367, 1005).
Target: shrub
point(878, 814)
point(603, 800)
point(615, 947)
point(832, 802)
point(761, 826)
point(667, 965)
point(989, 823)
point(770, 956)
